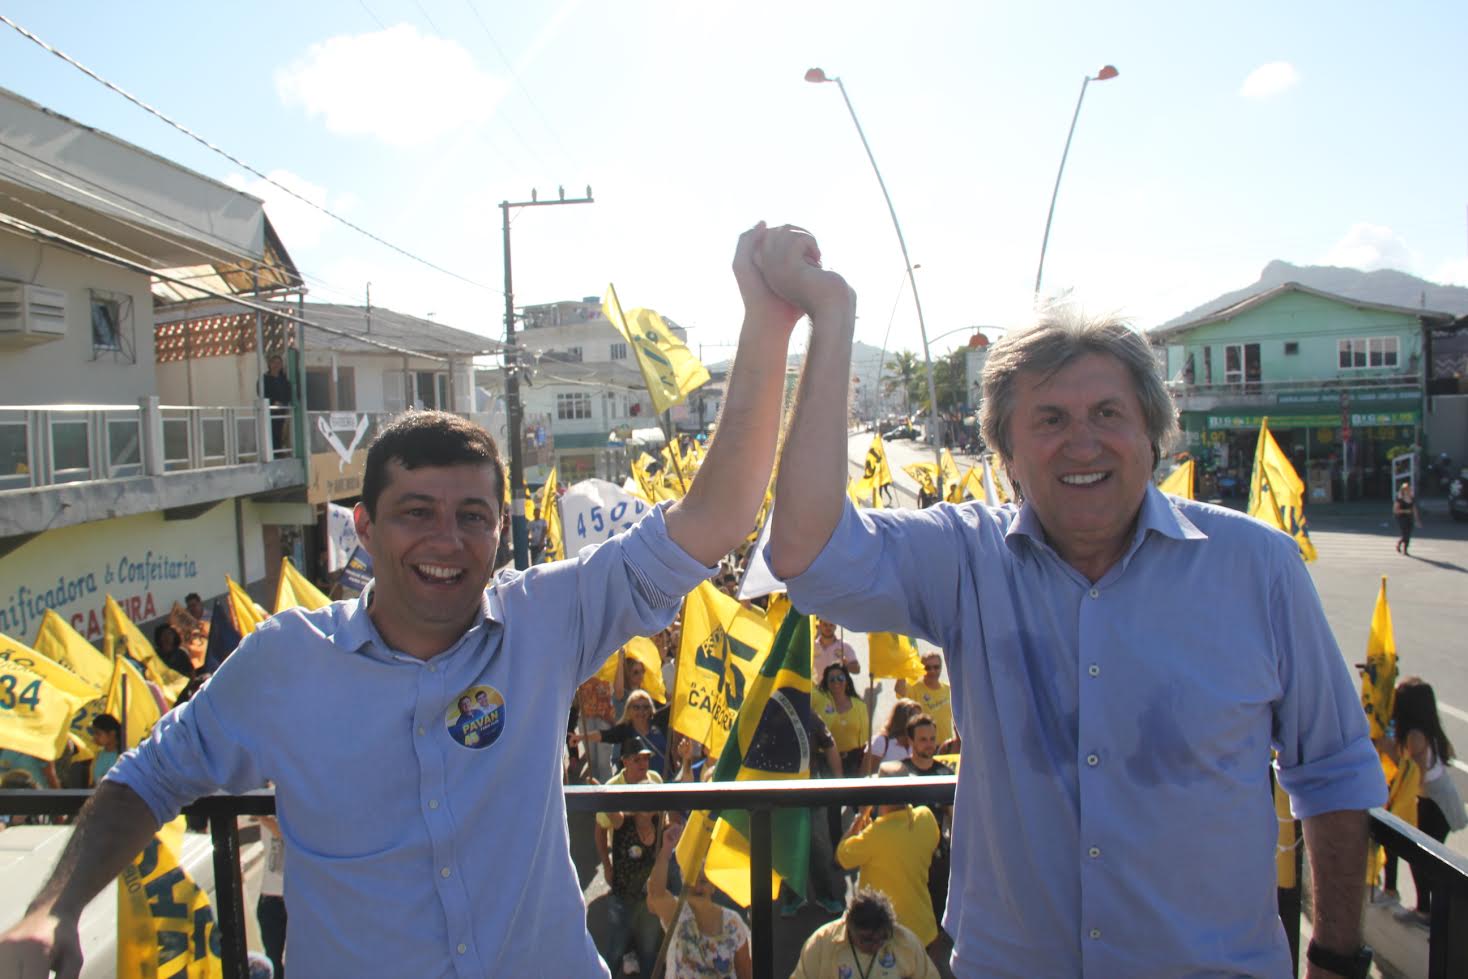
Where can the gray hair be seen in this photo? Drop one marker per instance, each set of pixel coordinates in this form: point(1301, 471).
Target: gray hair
point(1060, 337)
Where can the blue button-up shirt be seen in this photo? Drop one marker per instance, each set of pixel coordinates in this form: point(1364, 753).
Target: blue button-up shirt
point(1114, 815)
point(420, 841)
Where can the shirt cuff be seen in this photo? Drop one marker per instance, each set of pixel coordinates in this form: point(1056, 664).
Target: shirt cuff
point(1349, 779)
point(129, 771)
point(664, 572)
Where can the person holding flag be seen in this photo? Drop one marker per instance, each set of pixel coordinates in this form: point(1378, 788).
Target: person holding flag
point(446, 876)
point(1122, 663)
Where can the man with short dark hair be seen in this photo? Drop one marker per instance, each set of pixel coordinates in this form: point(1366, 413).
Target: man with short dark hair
point(1123, 665)
point(413, 853)
point(866, 941)
point(922, 739)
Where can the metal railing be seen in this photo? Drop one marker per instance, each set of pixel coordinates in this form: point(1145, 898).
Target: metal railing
point(1446, 872)
point(49, 445)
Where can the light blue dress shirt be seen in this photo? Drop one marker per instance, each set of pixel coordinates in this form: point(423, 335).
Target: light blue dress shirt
point(419, 846)
point(1114, 815)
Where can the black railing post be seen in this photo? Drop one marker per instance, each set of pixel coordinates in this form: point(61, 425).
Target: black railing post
point(761, 901)
point(1447, 943)
point(229, 893)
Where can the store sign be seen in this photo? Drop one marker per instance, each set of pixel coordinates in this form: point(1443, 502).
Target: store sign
point(1333, 420)
point(1331, 395)
point(145, 562)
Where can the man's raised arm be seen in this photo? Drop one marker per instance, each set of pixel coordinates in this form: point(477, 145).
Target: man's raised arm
point(719, 510)
point(811, 488)
point(112, 829)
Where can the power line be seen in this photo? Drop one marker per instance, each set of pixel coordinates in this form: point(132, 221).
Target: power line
point(235, 160)
point(509, 66)
point(371, 14)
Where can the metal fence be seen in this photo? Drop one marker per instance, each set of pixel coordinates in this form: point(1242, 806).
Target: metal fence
point(1446, 872)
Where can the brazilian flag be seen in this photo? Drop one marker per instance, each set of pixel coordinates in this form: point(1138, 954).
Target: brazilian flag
point(770, 740)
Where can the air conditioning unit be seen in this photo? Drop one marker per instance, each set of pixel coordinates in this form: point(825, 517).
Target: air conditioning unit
point(30, 314)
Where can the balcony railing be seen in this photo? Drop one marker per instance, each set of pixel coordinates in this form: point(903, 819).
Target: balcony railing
point(49, 445)
point(1349, 381)
point(1446, 872)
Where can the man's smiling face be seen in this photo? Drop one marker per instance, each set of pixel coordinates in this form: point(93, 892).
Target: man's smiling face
point(433, 542)
point(1081, 452)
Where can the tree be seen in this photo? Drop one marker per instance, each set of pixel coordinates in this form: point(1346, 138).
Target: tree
point(905, 374)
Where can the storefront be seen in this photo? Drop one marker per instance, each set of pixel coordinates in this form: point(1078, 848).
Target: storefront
point(1344, 454)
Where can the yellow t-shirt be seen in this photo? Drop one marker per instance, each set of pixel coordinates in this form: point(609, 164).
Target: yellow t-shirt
point(827, 953)
point(937, 704)
point(894, 854)
point(850, 729)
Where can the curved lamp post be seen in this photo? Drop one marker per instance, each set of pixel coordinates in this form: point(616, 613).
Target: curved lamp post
point(817, 76)
point(1106, 72)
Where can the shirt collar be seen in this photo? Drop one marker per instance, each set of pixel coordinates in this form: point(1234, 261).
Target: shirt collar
point(357, 630)
point(1158, 512)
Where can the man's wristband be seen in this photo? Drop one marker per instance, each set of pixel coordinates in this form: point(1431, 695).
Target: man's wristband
point(1355, 964)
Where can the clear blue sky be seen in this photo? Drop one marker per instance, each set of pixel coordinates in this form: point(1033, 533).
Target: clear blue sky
point(415, 118)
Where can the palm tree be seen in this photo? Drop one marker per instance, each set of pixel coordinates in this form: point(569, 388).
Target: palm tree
point(905, 374)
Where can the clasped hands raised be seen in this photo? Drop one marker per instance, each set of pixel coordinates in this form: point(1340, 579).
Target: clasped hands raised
point(781, 278)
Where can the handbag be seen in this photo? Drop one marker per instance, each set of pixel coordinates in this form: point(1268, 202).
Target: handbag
point(1442, 791)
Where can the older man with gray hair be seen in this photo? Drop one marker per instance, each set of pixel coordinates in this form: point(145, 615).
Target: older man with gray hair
point(1124, 665)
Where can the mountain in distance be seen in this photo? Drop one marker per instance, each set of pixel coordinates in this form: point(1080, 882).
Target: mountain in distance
point(1386, 286)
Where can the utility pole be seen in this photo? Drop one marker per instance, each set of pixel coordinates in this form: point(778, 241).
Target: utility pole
point(519, 530)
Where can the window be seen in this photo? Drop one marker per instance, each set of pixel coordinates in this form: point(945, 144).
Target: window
point(1365, 352)
point(1291, 348)
point(573, 354)
point(619, 351)
point(105, 333)
point(1241, 363)
point(1208, 366)
point(112, 326)
point(573, 406)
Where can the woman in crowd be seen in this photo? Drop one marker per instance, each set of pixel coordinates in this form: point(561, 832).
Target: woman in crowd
point(708, 941)
point(637, 719)
point(169, 646)
point(1418, 734)
point(845, 715)
point(892, 744)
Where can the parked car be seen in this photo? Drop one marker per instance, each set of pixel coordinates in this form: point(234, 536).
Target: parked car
point(1458, 496)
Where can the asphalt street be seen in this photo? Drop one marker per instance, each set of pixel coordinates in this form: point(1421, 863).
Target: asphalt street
point(1427, 592)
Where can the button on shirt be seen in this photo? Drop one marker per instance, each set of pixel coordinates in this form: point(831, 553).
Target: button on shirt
point(1117, 731)
point(420, 845)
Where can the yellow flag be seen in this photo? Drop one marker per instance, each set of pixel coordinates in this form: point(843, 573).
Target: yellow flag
point(875, 468)
point(242, 608)
point(60, 643)
point(722, 648)
point(130, 700)
point(1276, 495)
point(125, 636)
point(895, 656)
point(670, 370)
point(165, 925)
point(37, 703)
point(63, 679)
point(952, 481)
point(645, 651)
point(864, 492)
point(1179, 482)
point(1379, 674)
point(924, 474)
point(294, 591)
point(779, 607)
point(550, 508)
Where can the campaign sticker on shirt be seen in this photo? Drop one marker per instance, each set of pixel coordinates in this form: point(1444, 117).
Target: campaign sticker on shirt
point(476, 717)
point(888, 959)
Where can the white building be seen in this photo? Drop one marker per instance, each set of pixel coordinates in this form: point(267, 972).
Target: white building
point(105, 486)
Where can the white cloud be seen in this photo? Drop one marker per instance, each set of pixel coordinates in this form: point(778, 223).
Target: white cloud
point(300, 225)
point(1452, 273)
point(1269, 80)
point(395, 85)
point(1369, 247)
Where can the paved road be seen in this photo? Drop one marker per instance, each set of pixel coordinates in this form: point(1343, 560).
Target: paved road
point(1428, 591)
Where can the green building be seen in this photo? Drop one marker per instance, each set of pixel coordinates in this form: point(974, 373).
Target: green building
point(1340, 380)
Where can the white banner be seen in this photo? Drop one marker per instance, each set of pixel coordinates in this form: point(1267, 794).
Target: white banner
point(759, 580)
point(341, 536)
point(595, 510)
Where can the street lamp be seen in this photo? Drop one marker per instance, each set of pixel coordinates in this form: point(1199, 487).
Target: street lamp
point(1106, 72)
point(817, 76)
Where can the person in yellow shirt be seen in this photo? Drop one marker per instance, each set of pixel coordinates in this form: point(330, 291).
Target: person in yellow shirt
point(933, 695)
point(893, 853)
point(866, 941)
point(836, 703)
